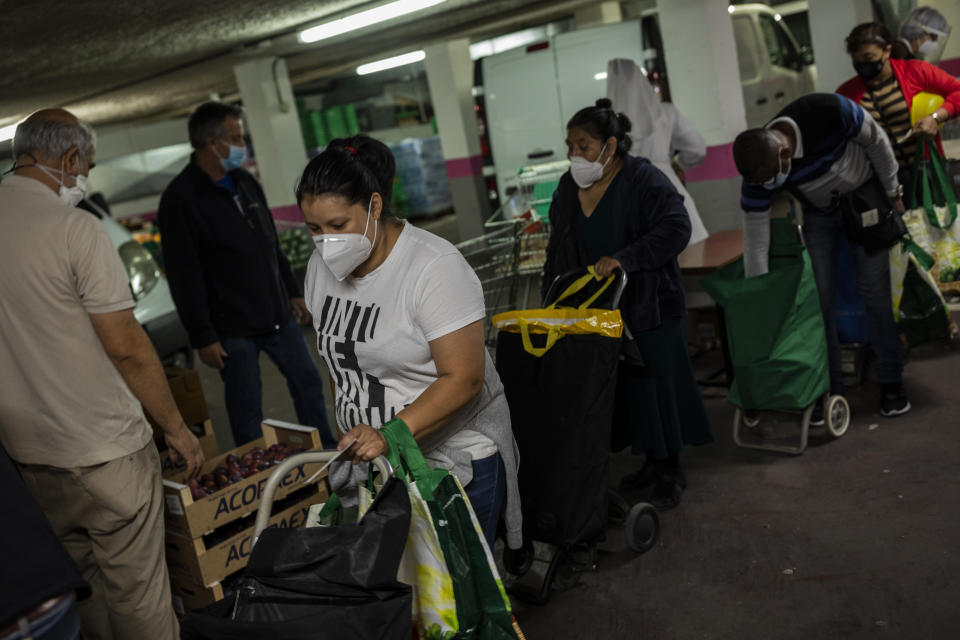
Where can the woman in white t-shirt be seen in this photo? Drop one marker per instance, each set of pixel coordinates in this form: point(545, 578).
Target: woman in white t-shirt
point(398, 315)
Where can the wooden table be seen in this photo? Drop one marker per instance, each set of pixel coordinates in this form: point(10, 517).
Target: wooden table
point(706, 256)
point(702, 258)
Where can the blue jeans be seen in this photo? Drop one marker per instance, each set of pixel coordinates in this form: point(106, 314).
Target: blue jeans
point(486, 492)
point(62, 622)
point(821, 233)
point(242, 387)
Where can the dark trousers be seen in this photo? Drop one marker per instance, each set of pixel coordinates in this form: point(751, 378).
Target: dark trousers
point(486, 492)
point(821, 233)
point(242, 388)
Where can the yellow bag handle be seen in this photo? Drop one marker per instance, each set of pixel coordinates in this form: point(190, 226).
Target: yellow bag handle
point(553, 334)
point(579, 284)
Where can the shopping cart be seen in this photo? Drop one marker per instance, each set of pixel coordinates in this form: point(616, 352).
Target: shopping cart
point(509, 263)
point(778, 345)
point(559, 370)
point(531, 190)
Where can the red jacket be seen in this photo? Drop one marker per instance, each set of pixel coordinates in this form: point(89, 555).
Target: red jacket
point(914, 77)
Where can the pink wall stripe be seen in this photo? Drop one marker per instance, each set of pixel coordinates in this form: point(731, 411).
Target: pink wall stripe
point(464, 167)
point(718, 165)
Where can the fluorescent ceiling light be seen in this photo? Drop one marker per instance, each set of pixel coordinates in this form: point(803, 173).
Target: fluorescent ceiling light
point(6, 133)
point(390, 63)
point(365, 19)
point(600, 76)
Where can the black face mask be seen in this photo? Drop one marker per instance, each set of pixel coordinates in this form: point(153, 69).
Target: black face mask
point(868, 70)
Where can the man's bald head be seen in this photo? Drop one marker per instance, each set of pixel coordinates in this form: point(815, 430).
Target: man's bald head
point(51, 133)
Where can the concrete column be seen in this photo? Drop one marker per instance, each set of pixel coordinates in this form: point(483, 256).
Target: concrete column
point(701, 60)
point(598, 14)
point(830, 24)
point(450, 76)
point(271, 118)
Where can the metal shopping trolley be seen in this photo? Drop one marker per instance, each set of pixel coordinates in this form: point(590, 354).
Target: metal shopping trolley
point(559, 369)
point(509, 257)
point(778, 345)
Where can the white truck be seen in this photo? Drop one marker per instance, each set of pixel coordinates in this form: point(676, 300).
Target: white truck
point(531, 92)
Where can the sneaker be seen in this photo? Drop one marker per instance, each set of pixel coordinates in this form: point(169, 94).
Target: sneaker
point(893, 400)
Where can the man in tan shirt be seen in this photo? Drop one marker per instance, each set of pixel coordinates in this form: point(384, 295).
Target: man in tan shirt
point(75, 367)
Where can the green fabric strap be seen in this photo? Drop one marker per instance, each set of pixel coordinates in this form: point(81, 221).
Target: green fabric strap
point(924, 258)
point(946, 193)
point(405, 456)
point(329, 507)
point(935, 189)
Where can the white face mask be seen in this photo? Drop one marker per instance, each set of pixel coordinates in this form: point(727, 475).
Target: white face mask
point(584, 172)
point(926, 48)
point(71, 196)
point(344, 252)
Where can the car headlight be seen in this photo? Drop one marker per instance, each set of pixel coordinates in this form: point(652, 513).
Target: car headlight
point(141, 268)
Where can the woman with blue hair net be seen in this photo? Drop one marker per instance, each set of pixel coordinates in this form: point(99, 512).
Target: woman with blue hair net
point(923, 36)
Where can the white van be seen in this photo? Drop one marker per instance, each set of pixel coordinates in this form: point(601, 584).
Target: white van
point(530, 92)
point(774, 69)
point(154, 309)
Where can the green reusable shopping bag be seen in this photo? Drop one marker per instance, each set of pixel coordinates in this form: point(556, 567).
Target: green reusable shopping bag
point(775, 329)
point(477, 606)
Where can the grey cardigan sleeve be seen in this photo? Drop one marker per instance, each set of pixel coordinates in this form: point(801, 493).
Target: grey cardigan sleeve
point(756, 243)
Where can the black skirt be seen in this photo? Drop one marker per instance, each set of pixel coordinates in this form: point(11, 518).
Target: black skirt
point(659, 408)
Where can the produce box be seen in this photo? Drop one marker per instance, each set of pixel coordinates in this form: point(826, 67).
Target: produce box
point(208, 443)
point(193, 514)
point(188, 596)
point(188, 394)
point(213, 557)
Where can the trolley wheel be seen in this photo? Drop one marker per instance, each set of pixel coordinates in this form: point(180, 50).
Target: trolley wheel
point(642, 527)
point(837, 415)
point(519, 561)
point(567, 573)
point(751, 419)
point(617, 508)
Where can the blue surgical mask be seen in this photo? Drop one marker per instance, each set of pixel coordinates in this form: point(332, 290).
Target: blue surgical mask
point(777, 181)
point(235, 158)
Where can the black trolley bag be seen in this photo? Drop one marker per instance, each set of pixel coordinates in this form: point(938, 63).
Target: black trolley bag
point(559, 368)
point(322, 583)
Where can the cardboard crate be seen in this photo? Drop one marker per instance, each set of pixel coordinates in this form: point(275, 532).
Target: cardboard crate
point(188, 394)
point(195, 561)
point(208, 444)
point(194, 518)
point(188, 596)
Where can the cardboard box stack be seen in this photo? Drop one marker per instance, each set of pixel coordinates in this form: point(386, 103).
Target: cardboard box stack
point(188, 394)
point(208, 536)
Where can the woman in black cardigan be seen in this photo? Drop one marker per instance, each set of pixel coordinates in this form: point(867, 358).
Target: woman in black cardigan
point(615, 211)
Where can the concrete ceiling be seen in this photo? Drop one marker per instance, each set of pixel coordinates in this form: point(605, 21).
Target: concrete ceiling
point(110, 61)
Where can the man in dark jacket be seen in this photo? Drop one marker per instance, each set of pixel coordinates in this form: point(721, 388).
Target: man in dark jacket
point(232, 284)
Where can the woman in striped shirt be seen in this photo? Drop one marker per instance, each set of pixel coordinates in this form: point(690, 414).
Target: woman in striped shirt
point(885, 88)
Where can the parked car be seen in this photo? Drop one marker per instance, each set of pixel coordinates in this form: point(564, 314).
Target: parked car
point(154, 308)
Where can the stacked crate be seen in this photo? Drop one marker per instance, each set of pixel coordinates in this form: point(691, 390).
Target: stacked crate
point(422, 173)
point(208, 539)
point(188, 394)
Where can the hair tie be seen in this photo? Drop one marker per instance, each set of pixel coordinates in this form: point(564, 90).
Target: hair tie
point(351, 150)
